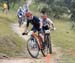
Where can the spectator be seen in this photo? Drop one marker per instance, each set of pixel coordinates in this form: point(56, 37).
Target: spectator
point(5, 8)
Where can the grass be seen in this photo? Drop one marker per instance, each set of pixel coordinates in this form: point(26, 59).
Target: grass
point(64, 37)
point(10, 43)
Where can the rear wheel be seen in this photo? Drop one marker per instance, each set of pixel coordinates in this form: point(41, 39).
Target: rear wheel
point(32, 47)
point(48, 47)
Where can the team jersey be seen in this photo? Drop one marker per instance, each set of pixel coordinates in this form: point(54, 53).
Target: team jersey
point(35, 22)
point(47, 21)
point(20, 13)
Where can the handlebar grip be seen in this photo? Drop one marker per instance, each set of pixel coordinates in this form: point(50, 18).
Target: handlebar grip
point(24, 33)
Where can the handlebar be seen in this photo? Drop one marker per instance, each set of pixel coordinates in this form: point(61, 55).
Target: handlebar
point(53, 29)
point(29, 33)
point(24, 33)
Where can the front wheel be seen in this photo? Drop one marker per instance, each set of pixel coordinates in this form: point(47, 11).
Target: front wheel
point(32, 47)
point(48, 46)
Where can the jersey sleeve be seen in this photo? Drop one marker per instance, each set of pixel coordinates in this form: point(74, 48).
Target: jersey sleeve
point(36, 19)
point(50, 21)
point(41, 22)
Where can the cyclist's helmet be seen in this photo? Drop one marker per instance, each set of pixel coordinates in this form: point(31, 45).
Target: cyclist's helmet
point(44, 17)
point(28, 14)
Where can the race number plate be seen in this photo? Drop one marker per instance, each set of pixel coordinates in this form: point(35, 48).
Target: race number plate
point(47, 31)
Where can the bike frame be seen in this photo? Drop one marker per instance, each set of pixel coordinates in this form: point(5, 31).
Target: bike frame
point(39, 39)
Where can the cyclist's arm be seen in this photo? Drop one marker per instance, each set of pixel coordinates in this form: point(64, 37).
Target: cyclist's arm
point(51, 23)
point(17, 13)
point(41, 23)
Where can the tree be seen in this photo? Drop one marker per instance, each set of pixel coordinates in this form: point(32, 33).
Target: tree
point(68, 3)
point(45, 1)
point(55, 8)
point(72, 8)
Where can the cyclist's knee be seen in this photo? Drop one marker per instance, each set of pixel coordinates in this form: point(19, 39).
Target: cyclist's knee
point(42, 36)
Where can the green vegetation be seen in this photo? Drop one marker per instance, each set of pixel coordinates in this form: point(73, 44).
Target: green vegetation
point(10, 43)
point(12, 4)
point(64, 37)
point(57, 8)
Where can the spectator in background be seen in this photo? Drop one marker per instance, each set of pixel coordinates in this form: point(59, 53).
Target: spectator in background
point(5, 8)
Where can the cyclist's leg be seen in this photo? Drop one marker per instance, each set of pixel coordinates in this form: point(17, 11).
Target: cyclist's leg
point(34, 30)
point(44, 28)
point(42, 36)
point(41, 33)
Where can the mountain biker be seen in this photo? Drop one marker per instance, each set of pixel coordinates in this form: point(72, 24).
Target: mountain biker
point(47, 23)
point(25, 8)
point(37, 24)
point(20, 15)
point(20, 12)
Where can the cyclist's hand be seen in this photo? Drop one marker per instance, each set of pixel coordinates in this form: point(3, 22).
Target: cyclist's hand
point(53, 29)
point(24, 33)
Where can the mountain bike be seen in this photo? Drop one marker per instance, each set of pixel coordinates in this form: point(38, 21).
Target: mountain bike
point(34, 44)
